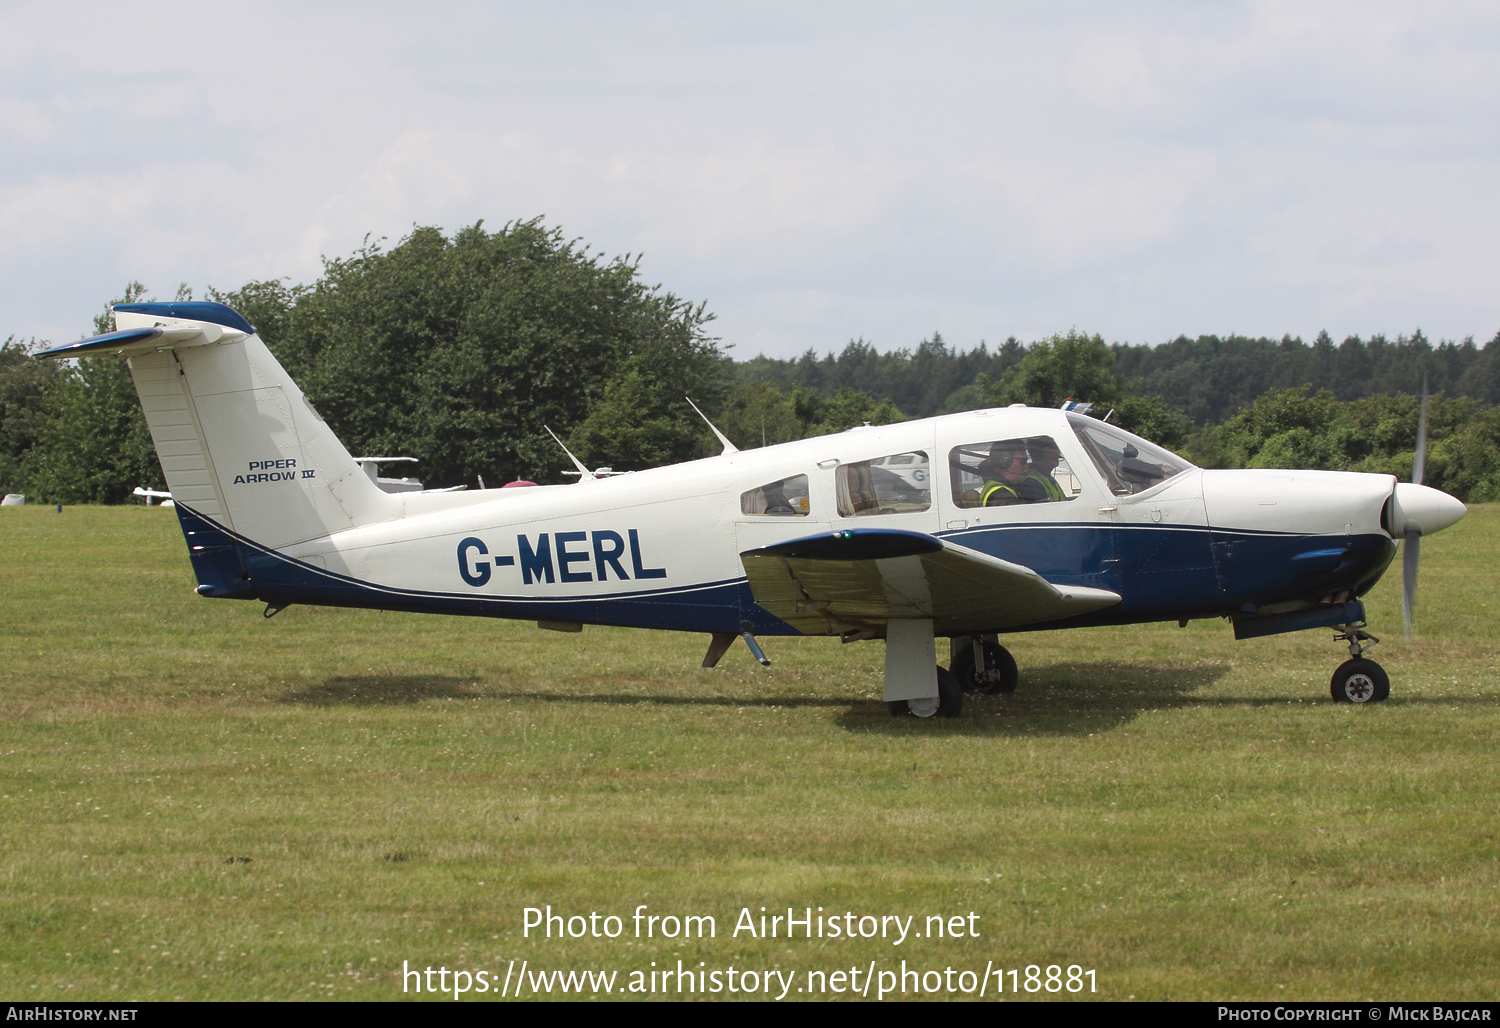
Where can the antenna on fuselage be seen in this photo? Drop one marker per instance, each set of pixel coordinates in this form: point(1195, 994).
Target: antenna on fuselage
point(728, 446)
point(585, 473)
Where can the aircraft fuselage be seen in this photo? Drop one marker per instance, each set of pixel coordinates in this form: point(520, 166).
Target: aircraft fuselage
point(659, 548)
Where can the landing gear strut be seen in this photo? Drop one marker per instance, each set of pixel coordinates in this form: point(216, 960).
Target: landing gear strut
point(913, 684)
point(982, 665)
point(1359, 679)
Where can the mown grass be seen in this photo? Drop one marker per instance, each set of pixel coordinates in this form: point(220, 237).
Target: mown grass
point(203, 804)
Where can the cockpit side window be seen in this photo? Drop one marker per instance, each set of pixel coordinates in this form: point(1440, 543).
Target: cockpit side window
point(897, 484)
point(1128, 463)
point(1003, 472)
point(787, 497)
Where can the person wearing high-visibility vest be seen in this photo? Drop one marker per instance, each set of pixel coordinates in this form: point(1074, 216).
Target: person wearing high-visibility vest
point(1004, 475)
point(1045, 457)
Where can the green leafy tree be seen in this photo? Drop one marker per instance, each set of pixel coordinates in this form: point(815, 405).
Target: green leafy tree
point(458, 351)
point(1151, 418)
point(1467, 462)
point(977, 395)
point(759, 413)
point(1061, 366)
point(24, 387)
point(644, 420)
point(849, 409)
point(266, 305)
point(91, 443)
point(1287, 424)
point(1288, 428)
point(932, 379)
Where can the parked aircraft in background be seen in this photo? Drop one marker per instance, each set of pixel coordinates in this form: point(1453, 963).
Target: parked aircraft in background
point(966, 526)
point(153, 494)
point(371, 467)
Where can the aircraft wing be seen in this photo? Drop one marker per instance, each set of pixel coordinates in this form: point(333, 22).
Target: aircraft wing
point(860, 578)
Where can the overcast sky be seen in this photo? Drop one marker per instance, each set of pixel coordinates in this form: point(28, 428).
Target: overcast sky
point(815, 172)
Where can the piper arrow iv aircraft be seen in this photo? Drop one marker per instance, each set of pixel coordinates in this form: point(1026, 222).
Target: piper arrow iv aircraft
point(966, 526)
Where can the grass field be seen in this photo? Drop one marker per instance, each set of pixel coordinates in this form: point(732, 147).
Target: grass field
point(203, 804)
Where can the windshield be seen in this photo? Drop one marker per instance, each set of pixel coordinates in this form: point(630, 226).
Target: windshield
point(1128, 463)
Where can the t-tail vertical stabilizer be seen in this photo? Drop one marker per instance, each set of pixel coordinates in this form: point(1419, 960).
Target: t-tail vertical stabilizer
point(246, 456)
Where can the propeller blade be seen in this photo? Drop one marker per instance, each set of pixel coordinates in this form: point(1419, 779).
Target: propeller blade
point(1409, 577)
point(1419, 467)
point(1413, 548)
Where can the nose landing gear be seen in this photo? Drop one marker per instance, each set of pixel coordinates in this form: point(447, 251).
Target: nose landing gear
point(1359, 679)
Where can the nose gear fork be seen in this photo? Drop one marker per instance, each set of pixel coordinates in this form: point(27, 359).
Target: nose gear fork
point(1358, 639)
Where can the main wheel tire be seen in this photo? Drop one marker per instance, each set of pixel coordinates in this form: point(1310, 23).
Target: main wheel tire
point(996, 659)
point(1360, 681)
point(950, 698)
point(950, 694)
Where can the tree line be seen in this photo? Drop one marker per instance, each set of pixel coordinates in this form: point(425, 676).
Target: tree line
point(1209, 378)
point(463, 350)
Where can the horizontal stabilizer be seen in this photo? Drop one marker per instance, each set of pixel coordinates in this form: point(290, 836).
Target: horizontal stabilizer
point(110, 342)
point(145, 338)
point(859, 579)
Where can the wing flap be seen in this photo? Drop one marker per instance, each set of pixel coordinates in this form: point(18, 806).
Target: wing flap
point(858, 579)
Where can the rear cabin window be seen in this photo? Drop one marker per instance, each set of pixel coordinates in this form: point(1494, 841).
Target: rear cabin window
point(900, 483)
point(1128, 463)
point(1006, 472)
point(785, 497)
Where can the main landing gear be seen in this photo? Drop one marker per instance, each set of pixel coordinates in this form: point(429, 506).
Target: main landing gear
point(913, 684)
point(982, 665)
point(948, 703)
point(1359, 679)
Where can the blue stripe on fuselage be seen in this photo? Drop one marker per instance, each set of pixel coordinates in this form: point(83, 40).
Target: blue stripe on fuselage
point(1169, 572)
point(1163, 573)
point(278, 579)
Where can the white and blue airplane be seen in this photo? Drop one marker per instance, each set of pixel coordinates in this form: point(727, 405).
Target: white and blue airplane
point(966, 526)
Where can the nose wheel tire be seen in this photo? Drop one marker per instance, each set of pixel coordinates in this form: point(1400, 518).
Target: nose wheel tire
point(1360, 681)
point(949, 702)
point(999, 674)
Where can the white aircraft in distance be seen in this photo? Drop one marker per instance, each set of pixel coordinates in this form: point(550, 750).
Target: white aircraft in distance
point(1020, 519)
point(150, 494)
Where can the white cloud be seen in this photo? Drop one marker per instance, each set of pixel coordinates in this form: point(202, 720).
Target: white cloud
point(813, 173)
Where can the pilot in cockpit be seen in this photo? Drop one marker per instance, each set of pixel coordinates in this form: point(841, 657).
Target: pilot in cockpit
point(1045, 456)
point(1005, 474)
